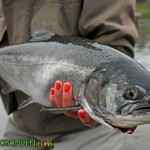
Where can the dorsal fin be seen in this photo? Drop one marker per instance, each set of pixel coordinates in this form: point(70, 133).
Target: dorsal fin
point(42, 35)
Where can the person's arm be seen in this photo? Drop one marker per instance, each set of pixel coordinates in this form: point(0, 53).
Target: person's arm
point(110, 23)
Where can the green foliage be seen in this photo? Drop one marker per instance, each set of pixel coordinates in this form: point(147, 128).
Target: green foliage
point(143, 9)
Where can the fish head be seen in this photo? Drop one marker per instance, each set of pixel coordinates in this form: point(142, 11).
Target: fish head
point(124, 105)
point(120, 95)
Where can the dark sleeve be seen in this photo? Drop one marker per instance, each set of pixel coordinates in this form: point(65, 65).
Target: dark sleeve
point(110, 23)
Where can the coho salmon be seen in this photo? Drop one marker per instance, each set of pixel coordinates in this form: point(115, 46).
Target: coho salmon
point(112, 87)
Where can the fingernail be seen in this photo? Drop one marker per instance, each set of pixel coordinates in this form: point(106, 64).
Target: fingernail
point(67, 87)
point(82, 114)
point(57, 85)
point(52, 91)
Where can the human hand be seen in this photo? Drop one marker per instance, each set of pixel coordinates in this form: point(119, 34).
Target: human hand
point(61, 95)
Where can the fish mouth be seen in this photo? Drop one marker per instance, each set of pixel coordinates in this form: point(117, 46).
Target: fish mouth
point(142, 111)
point(136, 109)
point(145, 109)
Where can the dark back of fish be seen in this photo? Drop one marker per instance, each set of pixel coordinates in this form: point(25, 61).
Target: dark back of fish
point(34, 67)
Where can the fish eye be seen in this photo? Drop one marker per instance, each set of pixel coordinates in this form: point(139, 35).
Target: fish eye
point(131, 94)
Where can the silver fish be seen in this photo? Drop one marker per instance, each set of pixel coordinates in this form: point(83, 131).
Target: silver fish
point(112, 87)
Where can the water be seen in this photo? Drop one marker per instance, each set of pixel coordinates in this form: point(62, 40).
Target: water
point(142, 48)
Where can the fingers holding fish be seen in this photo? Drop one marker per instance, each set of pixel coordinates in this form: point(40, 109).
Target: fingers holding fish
point(58, 93)
point(85, 118)
point(62, 96)
point(68, 95)
point(67, 98)
point(52, 97)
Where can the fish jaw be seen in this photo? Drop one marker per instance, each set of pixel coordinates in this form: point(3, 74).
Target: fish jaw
point(127, 124)
point(136, 115)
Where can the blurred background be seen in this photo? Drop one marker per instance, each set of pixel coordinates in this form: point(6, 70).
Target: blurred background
point(140, 140)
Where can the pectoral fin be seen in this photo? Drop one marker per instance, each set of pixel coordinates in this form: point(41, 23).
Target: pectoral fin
point(61, 110)
point(26, 103)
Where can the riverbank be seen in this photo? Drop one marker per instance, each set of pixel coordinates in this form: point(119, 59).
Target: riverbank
point(143, 9)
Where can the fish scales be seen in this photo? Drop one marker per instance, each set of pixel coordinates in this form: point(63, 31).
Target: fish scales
point(38, 65)
point(112, 87)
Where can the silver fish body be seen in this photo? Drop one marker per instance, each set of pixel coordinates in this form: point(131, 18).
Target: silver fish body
point(34, 67)
point(110, 86)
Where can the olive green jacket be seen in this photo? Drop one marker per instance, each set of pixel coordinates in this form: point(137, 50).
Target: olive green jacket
point(108, 22)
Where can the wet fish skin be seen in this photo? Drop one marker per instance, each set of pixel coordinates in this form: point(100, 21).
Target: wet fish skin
point(101, 76)
point(37, 65)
